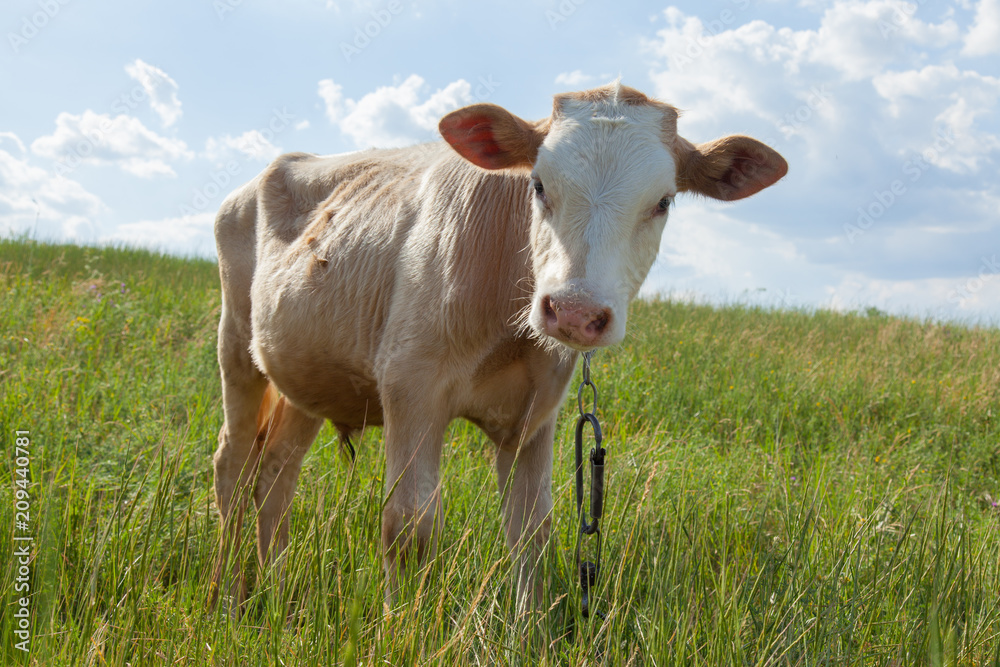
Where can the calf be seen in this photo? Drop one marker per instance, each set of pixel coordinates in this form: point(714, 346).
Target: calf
point(407, 287)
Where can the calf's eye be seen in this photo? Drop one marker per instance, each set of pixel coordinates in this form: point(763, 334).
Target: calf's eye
point(663, 205)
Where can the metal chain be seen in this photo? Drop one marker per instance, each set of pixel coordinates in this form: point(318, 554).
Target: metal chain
point(588, 570)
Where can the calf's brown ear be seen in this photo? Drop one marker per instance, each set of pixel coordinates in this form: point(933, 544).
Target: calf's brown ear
point(491, 137)
point(729, 168)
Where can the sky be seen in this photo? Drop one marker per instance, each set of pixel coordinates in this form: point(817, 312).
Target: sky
point(130, 122)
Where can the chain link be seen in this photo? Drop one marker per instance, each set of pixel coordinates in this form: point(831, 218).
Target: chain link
point(583, 385)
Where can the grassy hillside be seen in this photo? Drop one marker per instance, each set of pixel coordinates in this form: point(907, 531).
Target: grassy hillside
point(784, 488)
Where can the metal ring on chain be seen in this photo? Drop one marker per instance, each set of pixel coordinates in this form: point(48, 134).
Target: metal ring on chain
point(579, 397)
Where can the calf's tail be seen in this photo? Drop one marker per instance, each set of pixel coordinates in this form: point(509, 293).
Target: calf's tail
point(269, 415)
point(272, 407)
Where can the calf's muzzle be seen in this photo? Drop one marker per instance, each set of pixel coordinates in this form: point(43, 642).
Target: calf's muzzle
point(576, 322)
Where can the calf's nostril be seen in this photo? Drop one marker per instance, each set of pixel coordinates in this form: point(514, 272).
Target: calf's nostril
point(547, 308)
point(599, 323)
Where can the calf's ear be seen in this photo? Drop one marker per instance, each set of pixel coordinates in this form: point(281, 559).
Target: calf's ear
point(729, 168)
point(491, 137)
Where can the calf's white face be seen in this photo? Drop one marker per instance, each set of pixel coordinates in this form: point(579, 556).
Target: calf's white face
point(602, 185)
point(605, 168)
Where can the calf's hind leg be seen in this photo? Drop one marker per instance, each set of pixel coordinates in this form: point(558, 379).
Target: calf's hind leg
point(235, 460)
point(290, 434)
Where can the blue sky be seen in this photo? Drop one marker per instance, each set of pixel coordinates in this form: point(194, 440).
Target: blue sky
point(131, 121)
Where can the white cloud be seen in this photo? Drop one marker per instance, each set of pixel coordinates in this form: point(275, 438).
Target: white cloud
point(983, 38)
point(185, 235)
point(860, 37)
point(62, 207)
point(833, 90)
point(739, 71)
point(100, 139)
point(426, 115)
point(251, 145)
point(747, 68)
point(355, 5)
point(864, 100)
point(393, 115)
point(574, 79)
point(972, 297)
point(955, 101)
point(146, 167)
point(706, 244)
point(333, 99)
point(159, 88)
point(14, 139)
point(709, 254)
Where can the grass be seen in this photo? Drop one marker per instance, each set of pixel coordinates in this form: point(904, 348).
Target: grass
point(784, 488)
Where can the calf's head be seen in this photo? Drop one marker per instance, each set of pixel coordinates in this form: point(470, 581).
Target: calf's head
point(605, 168)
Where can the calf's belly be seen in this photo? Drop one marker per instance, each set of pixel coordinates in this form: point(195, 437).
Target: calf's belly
point(344, 397)
point(325, 386)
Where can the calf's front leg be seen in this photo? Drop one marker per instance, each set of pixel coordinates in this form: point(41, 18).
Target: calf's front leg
point(414, 431)
point(527, 508)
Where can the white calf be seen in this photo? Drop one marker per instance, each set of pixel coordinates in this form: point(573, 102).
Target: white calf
point(408, 287)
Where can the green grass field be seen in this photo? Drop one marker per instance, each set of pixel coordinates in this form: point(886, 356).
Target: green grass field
point(784, 488)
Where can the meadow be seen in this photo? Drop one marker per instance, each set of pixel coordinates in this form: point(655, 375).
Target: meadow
point(783, 488)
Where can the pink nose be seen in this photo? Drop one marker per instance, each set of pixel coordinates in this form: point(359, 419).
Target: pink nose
point(575, 322)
